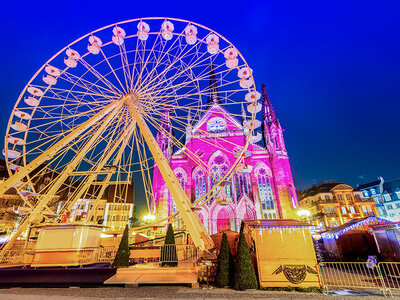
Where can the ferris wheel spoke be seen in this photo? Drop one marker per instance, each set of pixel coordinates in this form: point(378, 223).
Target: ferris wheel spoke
point(150, 81)
point(203, 58)
point(93, 87)
point(203, 75)
point(144, 59)
point(124, 91)
point(161, 56)
point(125, 66)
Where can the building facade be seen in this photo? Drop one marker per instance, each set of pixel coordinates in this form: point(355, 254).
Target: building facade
point(386, 195)
point(264, 191)
point(114, 215)
point(332, 204)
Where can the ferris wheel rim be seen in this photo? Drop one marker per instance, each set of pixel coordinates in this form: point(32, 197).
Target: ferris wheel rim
point(104, 28)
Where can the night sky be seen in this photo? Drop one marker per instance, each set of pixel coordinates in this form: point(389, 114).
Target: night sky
point(332, 69)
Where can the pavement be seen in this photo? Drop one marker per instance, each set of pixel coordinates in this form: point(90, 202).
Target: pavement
point(163, 292)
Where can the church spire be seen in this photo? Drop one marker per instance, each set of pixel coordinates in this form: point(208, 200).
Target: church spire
point(213, 96)
point(166, 117)
point(243, 112)
point(188, 127)
point(268, 111)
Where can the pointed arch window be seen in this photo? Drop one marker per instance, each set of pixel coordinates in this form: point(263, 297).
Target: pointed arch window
point(265, 189)
point(219, 168)
point(242, 185)
point(199, 184)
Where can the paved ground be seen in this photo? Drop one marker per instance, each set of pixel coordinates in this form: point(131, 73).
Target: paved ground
point(159, 292)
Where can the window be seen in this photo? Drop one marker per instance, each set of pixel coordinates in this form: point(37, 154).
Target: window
point(352, 210)
point(219, 168)
point(364, 210)
point(357, 196)
point(390, 206)
point(387, 197)
point(199, 184)
point(365, 194)
point(373, 192)
point(344, 211)
point(348, 196)
point(242, 185)
point(327, 197)
point(392, 215)
point(265, 189)
point(397, 205)
point(339, 196)
point(398, 193)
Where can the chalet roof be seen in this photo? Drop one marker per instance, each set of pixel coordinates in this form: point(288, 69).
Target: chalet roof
point(331, 233)
point(274, 223)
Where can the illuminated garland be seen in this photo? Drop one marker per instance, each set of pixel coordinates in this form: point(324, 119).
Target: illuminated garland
point(351, 227)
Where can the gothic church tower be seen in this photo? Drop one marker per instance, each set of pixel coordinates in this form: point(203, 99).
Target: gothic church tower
point(272, 132)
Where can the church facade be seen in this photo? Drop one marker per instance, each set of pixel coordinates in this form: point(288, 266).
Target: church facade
point(263, 190)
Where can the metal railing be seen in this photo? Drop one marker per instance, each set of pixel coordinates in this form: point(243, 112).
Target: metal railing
point(352, 275)
point(391, 274)
point(84, 256)
point(178, 253)
point(106, 254)
point(166, 253)
point(12, 257)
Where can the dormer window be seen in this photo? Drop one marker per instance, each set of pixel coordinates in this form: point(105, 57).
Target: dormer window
point(387, 197)
point(398, 193)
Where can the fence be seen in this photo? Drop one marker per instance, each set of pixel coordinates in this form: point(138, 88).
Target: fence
point(24, 257)
point(384, 277)
point(391, 275)
point(165, 253)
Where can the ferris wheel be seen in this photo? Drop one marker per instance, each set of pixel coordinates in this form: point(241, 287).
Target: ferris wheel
point(90, 114)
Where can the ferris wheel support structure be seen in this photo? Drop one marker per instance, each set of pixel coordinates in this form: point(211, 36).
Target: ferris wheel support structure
point(110, 111)
point(108, 177)
point(195, 227)
point(100, 166)
point(12, 180)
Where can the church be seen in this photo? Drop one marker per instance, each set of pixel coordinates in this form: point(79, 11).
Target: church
point(264, 191)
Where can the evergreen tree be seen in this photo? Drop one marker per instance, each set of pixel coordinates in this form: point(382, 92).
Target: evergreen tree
point(122, 257)
point(225, 266)
point(244, 275)
point(169, 257)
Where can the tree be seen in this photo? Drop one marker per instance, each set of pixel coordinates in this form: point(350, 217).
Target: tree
point(244, 275)
point(122, 257)
point(225, 266)
point(169, 257)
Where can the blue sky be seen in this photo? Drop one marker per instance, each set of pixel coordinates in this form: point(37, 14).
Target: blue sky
point(332, 68)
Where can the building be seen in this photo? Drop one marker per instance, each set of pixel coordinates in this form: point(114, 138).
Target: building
point(332, 204)
point(265, 192)
point(114, 209)
point(386, 195)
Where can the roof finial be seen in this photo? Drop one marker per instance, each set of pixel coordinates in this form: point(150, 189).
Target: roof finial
point(243, 114)
point(213, 96)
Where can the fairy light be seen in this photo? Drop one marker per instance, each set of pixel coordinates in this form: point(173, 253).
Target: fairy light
point(336, 235)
